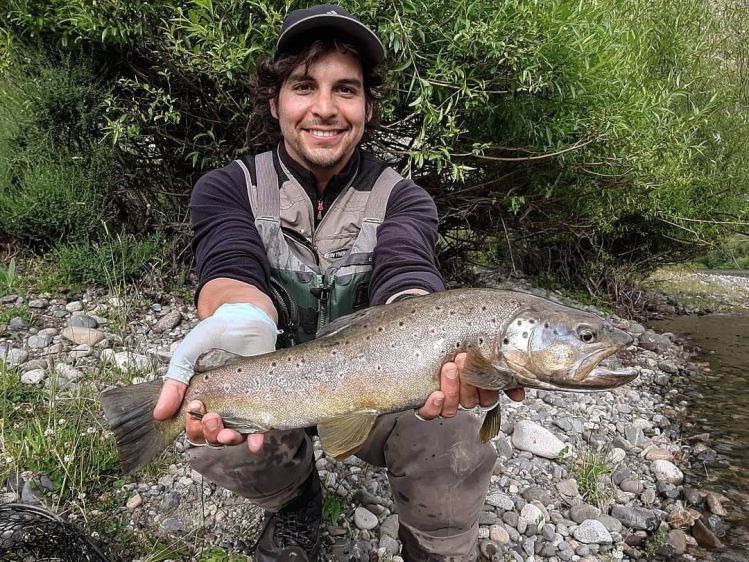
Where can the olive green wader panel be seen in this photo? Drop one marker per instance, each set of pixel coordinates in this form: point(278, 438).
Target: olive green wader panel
point(318, 274)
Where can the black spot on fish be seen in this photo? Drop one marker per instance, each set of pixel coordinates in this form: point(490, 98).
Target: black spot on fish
point(452, 313)
point(274, 364)
point(525, 334)
point(546, 325)
point(483, 309)
point(401, 323)
point(520, 322)
point(437, 308)
point(481, 341)
point(531, 321)
point(506, 341)
point(380, 329)
point(205, 378)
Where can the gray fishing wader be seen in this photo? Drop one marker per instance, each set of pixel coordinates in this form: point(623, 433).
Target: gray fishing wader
point(439, 471)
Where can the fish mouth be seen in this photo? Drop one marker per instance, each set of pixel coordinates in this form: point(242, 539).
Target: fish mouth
point(603, 378)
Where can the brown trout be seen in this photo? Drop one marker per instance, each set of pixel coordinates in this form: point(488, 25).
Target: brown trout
point(384, 359)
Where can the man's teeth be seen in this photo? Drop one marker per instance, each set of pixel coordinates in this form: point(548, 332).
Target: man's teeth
point(323, 133)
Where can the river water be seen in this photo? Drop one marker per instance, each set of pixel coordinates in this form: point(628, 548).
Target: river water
point(718, 403)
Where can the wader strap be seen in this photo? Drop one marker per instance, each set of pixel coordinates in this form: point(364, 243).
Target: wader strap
point(268, 202)
point(378, 197)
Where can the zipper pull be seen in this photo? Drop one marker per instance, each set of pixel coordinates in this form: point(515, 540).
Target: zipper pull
point(320, 209)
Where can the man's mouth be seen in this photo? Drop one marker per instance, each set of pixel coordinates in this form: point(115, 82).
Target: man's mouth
point(324, 133)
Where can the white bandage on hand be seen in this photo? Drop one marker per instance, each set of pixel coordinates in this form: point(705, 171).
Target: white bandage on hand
point(240, 328)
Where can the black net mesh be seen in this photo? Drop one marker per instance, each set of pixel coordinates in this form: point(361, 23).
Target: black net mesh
point(32, 534)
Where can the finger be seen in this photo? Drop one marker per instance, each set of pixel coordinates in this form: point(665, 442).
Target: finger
point(229, 437)
point(194, 426)
point(469, 395)
point(170, 399)
point(516, 394)
point(488, 397)
point(450, 385)
point(212, 426)
point(433, 406)
point(255, 442)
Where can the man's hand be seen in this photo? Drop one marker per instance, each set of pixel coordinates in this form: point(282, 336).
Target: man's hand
point(444, 402)
point(239, 328)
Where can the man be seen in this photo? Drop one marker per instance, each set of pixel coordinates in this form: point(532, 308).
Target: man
point(300, 235)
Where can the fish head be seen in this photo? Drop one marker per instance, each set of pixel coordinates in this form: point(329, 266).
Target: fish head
point(560, 348)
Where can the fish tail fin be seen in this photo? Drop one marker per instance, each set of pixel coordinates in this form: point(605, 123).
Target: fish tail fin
point(140, 438)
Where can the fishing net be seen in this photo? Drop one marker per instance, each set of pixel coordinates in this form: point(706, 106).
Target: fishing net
point(32, 534)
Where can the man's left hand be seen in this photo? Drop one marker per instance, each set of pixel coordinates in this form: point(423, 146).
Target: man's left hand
point(444, 402)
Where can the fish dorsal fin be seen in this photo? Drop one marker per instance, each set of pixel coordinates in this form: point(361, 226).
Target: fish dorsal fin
point(342, 436)
point(214, 358)
point(490, 427)
point(481, 373)
point(343, 322)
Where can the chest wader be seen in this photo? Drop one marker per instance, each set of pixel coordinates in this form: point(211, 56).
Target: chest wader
point(317, 274)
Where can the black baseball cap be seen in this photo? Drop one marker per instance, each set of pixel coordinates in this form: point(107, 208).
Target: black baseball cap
point(303, 26)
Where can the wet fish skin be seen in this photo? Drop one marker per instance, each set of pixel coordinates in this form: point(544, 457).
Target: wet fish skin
point(384, 359)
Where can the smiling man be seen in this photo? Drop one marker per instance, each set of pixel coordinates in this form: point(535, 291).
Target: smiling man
point(300, 235)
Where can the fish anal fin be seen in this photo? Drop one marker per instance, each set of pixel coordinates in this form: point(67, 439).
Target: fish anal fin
point(214, 358)
point(481, 373)
point(343, 436)
point(490, 428)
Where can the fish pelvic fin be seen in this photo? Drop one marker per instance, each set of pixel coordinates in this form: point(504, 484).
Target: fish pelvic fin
point(490, 428)
point(140, 438)
point(481, 373)
point(343, 436)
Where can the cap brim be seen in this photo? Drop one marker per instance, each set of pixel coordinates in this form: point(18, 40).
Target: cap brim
point(361, 34)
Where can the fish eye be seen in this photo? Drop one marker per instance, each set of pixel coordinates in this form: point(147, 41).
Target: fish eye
point(586, 334)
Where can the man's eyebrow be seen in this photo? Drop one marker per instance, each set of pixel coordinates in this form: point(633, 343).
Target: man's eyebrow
point(299, 77)
point(350, 82)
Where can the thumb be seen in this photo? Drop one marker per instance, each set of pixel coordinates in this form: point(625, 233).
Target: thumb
point(170, 399)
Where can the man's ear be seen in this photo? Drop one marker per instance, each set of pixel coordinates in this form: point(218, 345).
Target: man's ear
point(370, 112)
point(273, 107)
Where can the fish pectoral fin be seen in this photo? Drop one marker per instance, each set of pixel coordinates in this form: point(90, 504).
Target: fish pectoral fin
point(214, 358)
point(242, 425)
point(342, 436)
point(481, 373)
point(490, 428)
point(342, 322)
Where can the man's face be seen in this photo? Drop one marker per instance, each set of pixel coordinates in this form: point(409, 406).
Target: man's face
point(322, 112)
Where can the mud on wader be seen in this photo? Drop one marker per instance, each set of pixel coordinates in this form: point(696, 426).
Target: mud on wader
point(317, 274)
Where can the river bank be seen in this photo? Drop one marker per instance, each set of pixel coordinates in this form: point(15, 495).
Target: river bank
point(578, 477)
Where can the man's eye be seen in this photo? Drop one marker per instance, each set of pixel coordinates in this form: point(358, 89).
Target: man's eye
point(302, 88)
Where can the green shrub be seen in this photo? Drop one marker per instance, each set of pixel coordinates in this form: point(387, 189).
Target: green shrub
point(55, 201)
point(112, 262)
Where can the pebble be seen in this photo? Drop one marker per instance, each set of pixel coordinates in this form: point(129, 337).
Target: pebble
point(666, 471)
point(365, 519)
point(80, 335)
point(536, 439)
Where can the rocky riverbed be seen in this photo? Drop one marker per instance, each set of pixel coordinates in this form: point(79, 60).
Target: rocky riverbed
point(578, 477)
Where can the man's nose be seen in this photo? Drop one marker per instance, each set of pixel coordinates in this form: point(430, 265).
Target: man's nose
point(324, 105)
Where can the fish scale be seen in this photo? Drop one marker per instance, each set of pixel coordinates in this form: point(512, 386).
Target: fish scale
point(384, 359)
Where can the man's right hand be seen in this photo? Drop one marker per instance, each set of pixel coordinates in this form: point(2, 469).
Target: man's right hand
point(242, 329)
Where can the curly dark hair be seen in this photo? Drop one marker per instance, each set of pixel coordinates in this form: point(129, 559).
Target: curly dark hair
point(270, 73)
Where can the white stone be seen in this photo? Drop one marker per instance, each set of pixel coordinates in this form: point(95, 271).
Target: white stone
point(617, 455)
point(500, 500)
point(364, 519)
point(75, 306)
point(667, 471)
point(592, 531)
point(34, 376)
point(134, 501)
point(531, 514)
point(129, 361)
point(531, 437)
point(107, 356)
point(67, 372)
